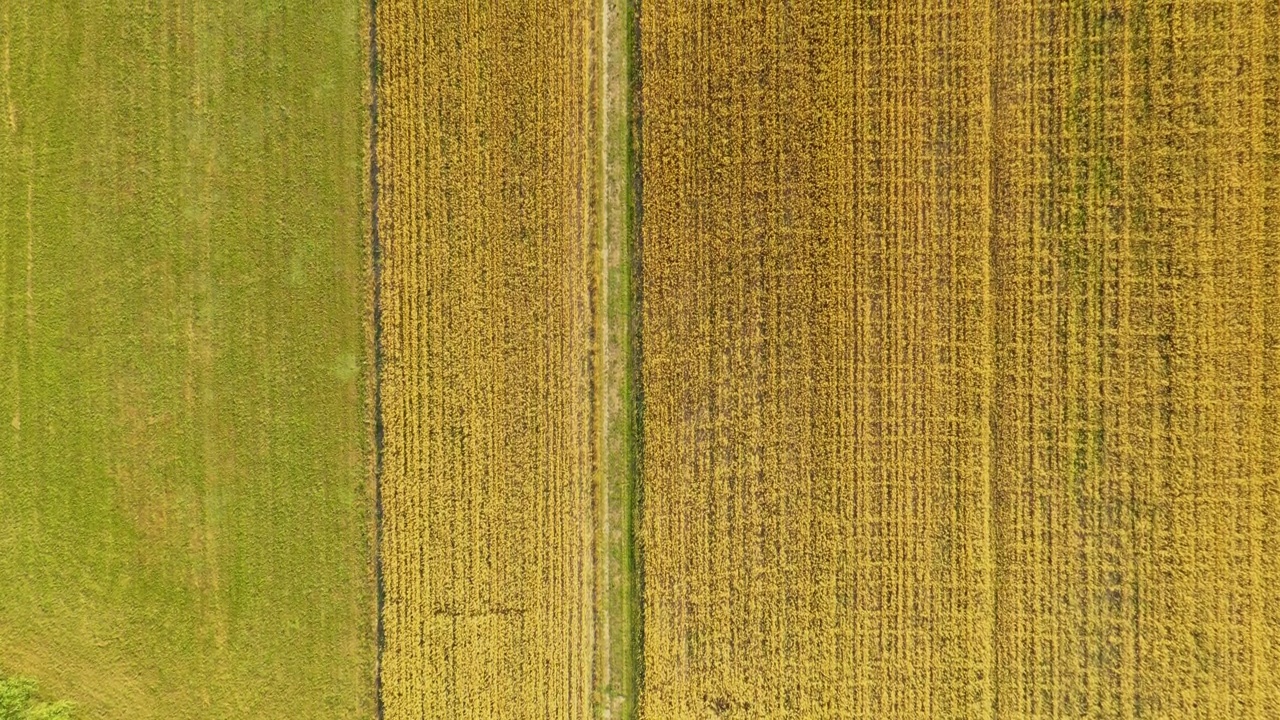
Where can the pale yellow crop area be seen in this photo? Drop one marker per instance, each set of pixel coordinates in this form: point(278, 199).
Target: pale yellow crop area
point(817, 362)
point(488, 530)
point(960, 330)
point(830, 360)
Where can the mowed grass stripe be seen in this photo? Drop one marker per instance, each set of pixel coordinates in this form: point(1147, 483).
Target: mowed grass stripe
point(183, 452)
point(616, 396)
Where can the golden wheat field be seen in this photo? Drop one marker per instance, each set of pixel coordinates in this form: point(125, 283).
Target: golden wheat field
point(818, 362)
point(828, 360)
point(485, 217)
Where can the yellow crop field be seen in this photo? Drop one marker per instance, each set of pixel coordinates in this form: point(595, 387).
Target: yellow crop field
point(817, 362)
point(959, 346)
point(490, 215)
point(1137, 286)
point(827, 360)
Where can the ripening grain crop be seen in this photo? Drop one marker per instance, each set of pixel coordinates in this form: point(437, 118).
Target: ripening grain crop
point(959, 359)
point(941, 378)
point(485, 221)
point(1136, 263)
point(816, 361)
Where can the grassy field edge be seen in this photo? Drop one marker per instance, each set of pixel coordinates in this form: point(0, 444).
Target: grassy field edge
point(620, 627)
point(372, 382)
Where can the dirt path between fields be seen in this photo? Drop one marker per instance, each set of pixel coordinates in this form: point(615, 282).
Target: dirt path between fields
point(618, 620)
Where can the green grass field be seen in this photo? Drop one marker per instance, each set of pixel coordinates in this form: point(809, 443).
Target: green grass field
point(184, 492)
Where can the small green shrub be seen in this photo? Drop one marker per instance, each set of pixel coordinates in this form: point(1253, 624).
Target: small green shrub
point(18, 701)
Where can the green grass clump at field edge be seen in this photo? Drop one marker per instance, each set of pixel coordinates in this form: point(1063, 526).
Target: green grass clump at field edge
point(18, 701)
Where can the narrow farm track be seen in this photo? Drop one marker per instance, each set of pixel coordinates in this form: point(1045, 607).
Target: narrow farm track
point(616, 394)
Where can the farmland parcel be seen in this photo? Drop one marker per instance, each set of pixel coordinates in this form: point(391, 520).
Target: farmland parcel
point(959, 359)
point(726, 359)
point(183, 452)
point(952, 384)
point(505, 293)
point(485, 217)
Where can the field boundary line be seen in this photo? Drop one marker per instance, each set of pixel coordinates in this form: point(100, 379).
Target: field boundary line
point(375, 249)
point(634, 209)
